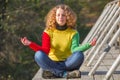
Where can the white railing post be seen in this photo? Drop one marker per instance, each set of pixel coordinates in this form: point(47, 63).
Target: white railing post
point(101, 27)
point(96, 24)
point(116, 35)
point(112, 17)
point(112, 69)
point(104, 40)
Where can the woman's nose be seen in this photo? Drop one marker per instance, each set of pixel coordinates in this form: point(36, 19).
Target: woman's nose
point(61, 16)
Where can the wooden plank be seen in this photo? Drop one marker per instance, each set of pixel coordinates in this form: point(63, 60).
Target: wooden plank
point(37, 76)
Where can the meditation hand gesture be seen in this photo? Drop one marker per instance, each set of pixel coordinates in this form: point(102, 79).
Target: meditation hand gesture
point(93, 42)
point(25, 41)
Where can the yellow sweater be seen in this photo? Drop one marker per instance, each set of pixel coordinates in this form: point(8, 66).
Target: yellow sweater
point(60, 43)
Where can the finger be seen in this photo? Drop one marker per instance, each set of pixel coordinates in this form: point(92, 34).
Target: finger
point(25, 39)
point(21, 39)
point(94, 39)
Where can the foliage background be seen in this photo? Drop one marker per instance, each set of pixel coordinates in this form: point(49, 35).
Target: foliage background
point(26, 18)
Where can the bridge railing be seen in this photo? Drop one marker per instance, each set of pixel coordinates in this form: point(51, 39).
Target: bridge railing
point(107, 32)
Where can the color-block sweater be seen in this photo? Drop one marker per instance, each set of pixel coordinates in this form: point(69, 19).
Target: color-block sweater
point(59, 45)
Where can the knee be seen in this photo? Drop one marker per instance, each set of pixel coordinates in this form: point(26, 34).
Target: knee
point(80, 55)
point(38, 55)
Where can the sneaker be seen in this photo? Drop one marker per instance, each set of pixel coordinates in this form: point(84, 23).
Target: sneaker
point(74, 74)
point(47, 74)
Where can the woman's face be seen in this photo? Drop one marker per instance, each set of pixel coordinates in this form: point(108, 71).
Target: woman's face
point(60, 17)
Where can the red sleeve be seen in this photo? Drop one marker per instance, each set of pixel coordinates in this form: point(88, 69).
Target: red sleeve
point(45, 44)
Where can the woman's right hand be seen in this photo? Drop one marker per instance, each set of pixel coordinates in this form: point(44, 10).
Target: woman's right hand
point(25, 41)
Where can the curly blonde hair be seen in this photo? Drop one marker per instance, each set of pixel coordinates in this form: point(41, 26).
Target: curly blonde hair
point(51, 17)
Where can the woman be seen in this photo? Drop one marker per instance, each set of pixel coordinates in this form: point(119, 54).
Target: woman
point(60, 52)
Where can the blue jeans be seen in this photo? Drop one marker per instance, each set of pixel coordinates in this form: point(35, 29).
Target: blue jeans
point(58, 68)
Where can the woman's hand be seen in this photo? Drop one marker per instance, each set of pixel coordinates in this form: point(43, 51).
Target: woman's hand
point(93, 42)
point(25, 41)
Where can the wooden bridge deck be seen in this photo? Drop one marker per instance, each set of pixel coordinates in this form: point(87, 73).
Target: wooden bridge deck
point(100, 72)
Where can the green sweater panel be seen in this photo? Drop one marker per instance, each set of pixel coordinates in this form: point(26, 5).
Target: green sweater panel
point(78, 47)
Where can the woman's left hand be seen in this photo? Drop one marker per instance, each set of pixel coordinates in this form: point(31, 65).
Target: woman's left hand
point(93, 42)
